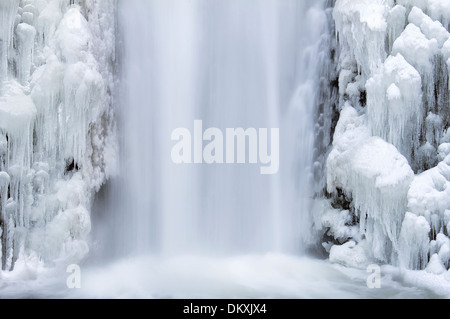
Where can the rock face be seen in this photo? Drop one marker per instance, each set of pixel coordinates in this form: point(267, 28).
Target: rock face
point(390, 150)
point(56, 125)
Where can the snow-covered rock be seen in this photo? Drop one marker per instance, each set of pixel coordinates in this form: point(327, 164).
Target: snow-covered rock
point(351, 254)
point(376, 176)
point(414, 242)
point(398, 54)
point(362, 28)
point(435, 265)
point(429, 195)
point(56, 124)
point(436, 9)
point(394, 104)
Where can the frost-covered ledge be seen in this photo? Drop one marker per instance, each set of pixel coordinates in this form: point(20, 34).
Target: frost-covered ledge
point(389, 167)
point(56, 126)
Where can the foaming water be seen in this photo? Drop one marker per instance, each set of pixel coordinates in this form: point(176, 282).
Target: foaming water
point(198, 231)
point(193, 276)
point(217, 231)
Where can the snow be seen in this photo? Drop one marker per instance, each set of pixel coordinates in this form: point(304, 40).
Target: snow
point(443, 248)
point(435, 265)
point(17, 113)
point(28, 18)
point(55, 82)
point(362, 28)
point(423, 45)
point(396, 21)
point(430, 28)
point(345, 77)
point(54, 85)
point(73, 37)
point(351, 254)
point(17, 109)
point(446, 53)
point(337, 221)
point(414, 242)
point(48, 20)
point(404, 73)
point(394, 104)
point(393, 93)
point(414, 46)
point(436, 9)
point(375, 175)
point(8, 9)
point(4, 180)
point(25, 37)
point(370, 13)
point(429, 194)
point(51, 105)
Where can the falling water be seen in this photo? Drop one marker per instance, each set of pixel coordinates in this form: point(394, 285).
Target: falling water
point(199, 230)
point(231, 64)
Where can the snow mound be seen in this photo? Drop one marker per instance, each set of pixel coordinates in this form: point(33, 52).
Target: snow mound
point(414, 242)
point(376, 176)
point(436, 9)
point(350, 254)
point(417, 49)
point(431, 29)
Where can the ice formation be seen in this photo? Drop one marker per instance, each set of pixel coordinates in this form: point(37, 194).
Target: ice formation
point(389, 163)
point(378, 181)
point(386, 195)
point(56, 125)
point(366, 45)
point(394, 104)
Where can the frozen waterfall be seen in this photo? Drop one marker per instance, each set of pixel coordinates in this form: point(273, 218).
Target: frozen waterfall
point(224, 148)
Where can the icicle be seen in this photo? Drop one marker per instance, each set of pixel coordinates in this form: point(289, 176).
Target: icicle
point(414, 242)
point(394, 105)
point(362, 28)
point(25, 38)
point(46, 116)
point(8, 10)
point(423, 44)
point(408, 106)
point(436, 9)
point(376, 176)
point(396, 24)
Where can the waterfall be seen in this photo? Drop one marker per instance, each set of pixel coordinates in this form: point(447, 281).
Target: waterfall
point(251, 133)
point(230, 64)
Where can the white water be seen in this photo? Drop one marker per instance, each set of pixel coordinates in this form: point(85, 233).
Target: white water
point(211, 231)
point(217, 231)
point(249, 276)
point(230, 64)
